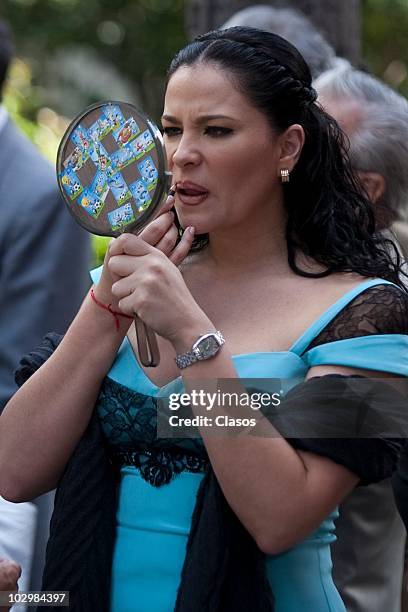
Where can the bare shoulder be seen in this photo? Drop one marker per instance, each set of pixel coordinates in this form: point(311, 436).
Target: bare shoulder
point(313, 297)
point(340, 283)
point(321, 292)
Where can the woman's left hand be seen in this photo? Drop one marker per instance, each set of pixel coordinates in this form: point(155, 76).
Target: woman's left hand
point(152, 287)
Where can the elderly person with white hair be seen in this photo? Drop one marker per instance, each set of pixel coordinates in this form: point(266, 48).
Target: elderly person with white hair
point(375, 119)
point(368, 556)
point(296, 28)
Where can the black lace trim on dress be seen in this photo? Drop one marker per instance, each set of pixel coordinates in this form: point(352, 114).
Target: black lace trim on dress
point(129, 421)
point(382, 309)
point(159, 467)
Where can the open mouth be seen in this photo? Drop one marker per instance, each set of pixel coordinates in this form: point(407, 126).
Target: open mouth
point(189, 193)
point(189, 190)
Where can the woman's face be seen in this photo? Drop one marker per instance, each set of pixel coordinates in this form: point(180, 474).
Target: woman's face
point(221, 149)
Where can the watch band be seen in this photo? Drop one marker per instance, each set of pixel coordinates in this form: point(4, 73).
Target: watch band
point(199, 354)
point(186, 359)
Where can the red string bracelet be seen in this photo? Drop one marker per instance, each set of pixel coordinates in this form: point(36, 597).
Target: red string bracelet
point(115, 313)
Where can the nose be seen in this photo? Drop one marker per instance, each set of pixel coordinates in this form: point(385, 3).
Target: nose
point(185, 152)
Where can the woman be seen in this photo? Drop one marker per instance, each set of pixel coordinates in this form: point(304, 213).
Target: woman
point(240, 119)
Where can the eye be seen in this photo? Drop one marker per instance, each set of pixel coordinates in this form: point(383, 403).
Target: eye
point(171, 131)
point(216, 131)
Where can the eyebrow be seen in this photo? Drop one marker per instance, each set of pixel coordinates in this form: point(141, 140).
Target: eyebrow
point(201, 118)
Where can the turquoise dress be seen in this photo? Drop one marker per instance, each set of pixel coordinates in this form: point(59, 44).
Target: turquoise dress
point(153, 522)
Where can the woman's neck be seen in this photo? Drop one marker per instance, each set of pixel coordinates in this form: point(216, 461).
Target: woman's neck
point(250, 247)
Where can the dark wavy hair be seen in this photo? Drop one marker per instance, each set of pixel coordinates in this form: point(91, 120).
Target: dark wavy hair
point(328, 215)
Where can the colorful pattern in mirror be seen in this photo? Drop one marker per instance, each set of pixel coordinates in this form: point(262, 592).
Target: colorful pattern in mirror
point(109, 168)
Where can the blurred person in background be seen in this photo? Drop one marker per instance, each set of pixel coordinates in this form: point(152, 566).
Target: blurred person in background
point(375, 119)
point(400, 487)
point(44, 260)
point(368, 556)
point(295, 27)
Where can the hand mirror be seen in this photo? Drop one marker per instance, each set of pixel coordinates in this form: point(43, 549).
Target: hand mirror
point(112, 173)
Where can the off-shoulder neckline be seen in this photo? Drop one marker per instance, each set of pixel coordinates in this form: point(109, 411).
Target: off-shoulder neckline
point(299, 346)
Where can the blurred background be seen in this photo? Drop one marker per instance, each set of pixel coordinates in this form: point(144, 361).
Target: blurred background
point(71, 53)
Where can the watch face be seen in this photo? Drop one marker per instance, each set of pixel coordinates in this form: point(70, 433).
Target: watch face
point(207, 347)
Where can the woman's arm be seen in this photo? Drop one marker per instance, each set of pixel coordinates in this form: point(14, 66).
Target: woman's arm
point(44, 420)
point(279, 494)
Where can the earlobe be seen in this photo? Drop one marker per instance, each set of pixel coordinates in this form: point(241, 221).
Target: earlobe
point(292, 141)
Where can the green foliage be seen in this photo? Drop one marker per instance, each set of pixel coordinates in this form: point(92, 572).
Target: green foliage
point(99, 244)
point(74, 53)
point(45, 127)
point(385, 40)
point(135, 38)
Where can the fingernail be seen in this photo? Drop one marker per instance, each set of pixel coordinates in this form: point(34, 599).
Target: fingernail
point(172, 214)
point(191, 229)
point(172, 191)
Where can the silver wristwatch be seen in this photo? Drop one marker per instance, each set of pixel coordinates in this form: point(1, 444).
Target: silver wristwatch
point(204, 347)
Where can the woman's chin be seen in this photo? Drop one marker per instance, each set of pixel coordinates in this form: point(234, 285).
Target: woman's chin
point(199, 231)
point(198, 219)
point(200, 227)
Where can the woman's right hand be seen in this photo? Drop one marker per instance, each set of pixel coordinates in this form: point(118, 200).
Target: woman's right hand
point(10, 572)
point(161, 233)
